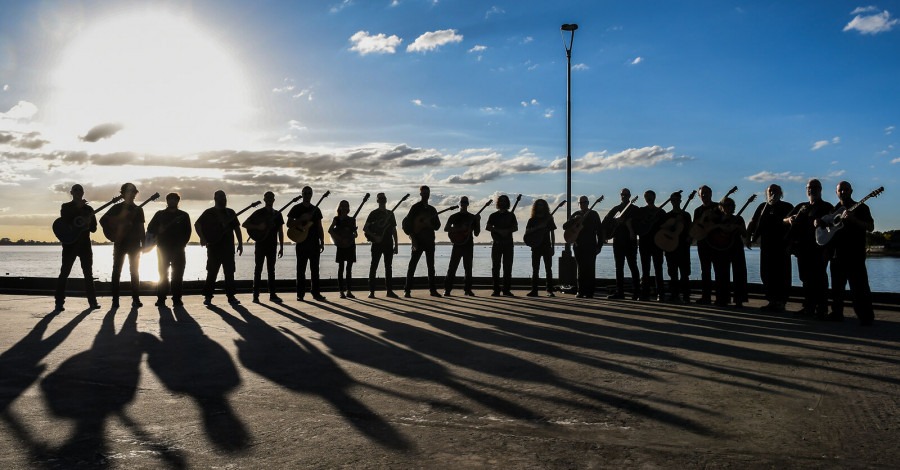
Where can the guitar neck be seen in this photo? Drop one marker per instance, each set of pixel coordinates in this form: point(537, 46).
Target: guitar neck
point(483, 208)
point(361, 204)
point(595, 203)
point(518, 198)
point(289, 203)
point(247, 208)
point(400, 202)
point(557, 207)
point(111, 202)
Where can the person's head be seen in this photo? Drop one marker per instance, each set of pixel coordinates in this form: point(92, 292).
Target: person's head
point(540, 208)
point(220, 199)
point(705, 193)
point(77, 192)
point(676, 199)
point(464, 202)
point(844, 191)
point(584, 203)
point(269, 198)
point(306, 192)
point(774, 193)
point(128, 191)
point(424, 192)
point(172, 200)
point(503, 203)
point(649, 196)
point(625, 194)
point(814, 189)
point(380, 198)
point(343, 207)
point(727, 205)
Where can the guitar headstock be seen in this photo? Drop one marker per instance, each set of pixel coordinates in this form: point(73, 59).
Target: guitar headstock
point(691, 196)
point(730, 192)
point(752, 198)
point(365, 198)
point(634, 199)
point(256, 204)
point(877, 192)
point(152, 198)
point(561, 203)
point(327, 193)
point(518, 198)
point(600, 199)
point(489, 202)
point(116, 199)
point(296, 199)
point(405, 197)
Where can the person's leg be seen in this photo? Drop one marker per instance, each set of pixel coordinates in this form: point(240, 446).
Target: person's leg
point(134, 268)
point(507, 268)
point(314, 258)
point(455, 256)
point(68, 260)
point(414, 257)
point(162, 265)
point(468, 254)
point(496, 260)
point(86, 256)
point(118, 261)
point(302, 261)
point(177, 282)
point(259, 256)
point(429, 261)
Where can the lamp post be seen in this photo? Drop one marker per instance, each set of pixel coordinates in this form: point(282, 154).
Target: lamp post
point(566, 261)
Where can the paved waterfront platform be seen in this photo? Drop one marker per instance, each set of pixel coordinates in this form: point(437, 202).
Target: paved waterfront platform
point(459, 382)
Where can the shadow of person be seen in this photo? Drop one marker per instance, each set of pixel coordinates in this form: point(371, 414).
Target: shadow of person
point(20, 367)
point(189, 362)
point(93, 385)
point(288, 360)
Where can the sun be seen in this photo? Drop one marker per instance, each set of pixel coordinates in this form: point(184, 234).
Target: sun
point(169, 85)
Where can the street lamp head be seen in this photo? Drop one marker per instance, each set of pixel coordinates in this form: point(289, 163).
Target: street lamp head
point(569, 27)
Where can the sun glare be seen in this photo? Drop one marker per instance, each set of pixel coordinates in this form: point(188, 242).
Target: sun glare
point(169, 86)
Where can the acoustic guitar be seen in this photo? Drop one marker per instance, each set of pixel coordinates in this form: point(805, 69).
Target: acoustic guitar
point(150, 239)
point(298, 230)
point(535, 235)
point(832, 223)
point(68, 233)
point(669, 233)
point(377, 233)
point(721, 237)
point(459, 235)
point(706, 222)
point(257, 234)
point(610, 226)
point(643, 225)
point(344, 237)
point(571, 233)
point(214, 229)
point(116, 227)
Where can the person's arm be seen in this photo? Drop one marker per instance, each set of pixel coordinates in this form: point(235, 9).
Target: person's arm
point(199, 229)
point(396, 239)
point(320, 230)
point(237, 233)
point(476, 226)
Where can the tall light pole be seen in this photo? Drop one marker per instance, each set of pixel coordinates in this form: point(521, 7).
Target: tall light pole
point(566, 261)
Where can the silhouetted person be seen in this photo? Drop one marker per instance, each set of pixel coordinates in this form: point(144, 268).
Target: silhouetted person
point(848, 262)
point(624, 245)
point(729, 262)
point(343, 232)
point(768, 228)
point(678, 261)
point(125, 222)
point(71, 212)
point(811, 261)
point(218, 228)
point(306, 216)
point(171, 227)
point(269, 246)
point(586, 246)
point(381, 230)
point(650, 217)
point(502, 224)
point(707, 212)
point(466, 225)
point(541, 226)
point(420, 224)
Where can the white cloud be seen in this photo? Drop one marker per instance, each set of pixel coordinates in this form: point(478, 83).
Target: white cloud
point(527, 39)
point(295, 125)
point(23, 111)
point(867, 9)
point(836, 174)
point(548, 113)
point(365, 43)
point(492, 110)
point(889, 130)
point(636, 60)
point(578, 67)
point(533, 102)
point(495, 10)
point(433, 39)
point(896, 160)
point(5, 87)
point(341, 6)
point(768, 177)
point(417, 102)
point(820, 144)
point(871, 24)
point(478, 48)
point(628, 158)
point(304, 92)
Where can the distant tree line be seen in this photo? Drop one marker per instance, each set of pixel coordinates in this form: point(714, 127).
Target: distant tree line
point(889, 240)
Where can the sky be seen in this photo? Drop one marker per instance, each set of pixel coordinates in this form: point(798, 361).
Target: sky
point(469, 97)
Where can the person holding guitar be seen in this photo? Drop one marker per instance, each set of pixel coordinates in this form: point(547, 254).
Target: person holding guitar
point(462, 227)
point(617, 228)
point(171, 227)
point(730, 262)
point(308, 217)
point(678, 257)
point(540, 228)
point(848, 262)
point(420, 224)
point(811, 261)
point(125, 223)
point(218, 228)
point(269, 224)
point(343, 228)
point(650, 217)
point(381, 230)
point(587, 246)
point(71, 212)
point(707, 213)
point(768, 229)
point(502, 224)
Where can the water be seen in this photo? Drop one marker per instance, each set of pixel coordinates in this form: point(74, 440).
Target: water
point(44, 261)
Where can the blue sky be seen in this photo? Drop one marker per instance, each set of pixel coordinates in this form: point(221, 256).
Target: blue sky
point(469, 97)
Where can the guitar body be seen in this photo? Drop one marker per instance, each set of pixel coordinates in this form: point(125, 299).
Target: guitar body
point(534, 238)
point(345, 236)
point(721, 237)
point(215, 228)
point(571, 233)
point(669, 234)
point(67, 234)
point(703, 225)
point(832, 223)
point(299, 232)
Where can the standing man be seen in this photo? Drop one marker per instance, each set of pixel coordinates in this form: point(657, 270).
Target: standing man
point(467, 226)
point(381, 230)
point(651, 217)
point(269, 224)
point(586, 247)
point(308, 217)
point(624, 239)
point(708, 213)
point(811, 262)
point(171, 227)
point(76, 213)
point(768, 228)
point(217, 228)
point(848, 263)
point(678, 260)
point(420, 224)
point(502, 224)
point(125, 222)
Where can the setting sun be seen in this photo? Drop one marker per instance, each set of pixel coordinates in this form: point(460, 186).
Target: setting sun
point(160, 79)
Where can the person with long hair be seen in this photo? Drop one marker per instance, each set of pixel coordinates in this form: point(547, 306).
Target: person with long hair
point(343, 227)
point(541, 226)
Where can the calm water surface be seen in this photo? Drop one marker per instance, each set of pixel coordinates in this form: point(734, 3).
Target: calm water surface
point(43, 261)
